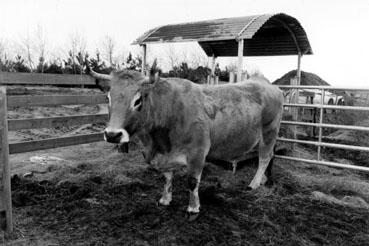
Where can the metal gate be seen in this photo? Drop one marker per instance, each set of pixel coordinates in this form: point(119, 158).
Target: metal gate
point(320, 125)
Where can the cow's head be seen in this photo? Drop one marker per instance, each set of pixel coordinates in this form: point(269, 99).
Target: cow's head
point(126, 101)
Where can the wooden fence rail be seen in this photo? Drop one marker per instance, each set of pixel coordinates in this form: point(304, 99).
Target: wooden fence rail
point(21, 101)
point(50, 122)
point(44, 79)
point(50, 143)
point(6, 125)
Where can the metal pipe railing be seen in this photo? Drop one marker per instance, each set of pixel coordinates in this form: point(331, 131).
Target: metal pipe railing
point(322, 125)
point(324, 163)
point(302, 105)
point(324, 144)
point(323, 87)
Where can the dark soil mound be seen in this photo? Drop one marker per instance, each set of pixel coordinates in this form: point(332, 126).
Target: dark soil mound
point(306, 79)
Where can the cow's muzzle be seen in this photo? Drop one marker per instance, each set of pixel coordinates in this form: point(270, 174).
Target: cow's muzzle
point(116, 136)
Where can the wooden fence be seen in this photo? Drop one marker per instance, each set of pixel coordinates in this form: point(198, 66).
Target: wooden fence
point(8, 78)
point(49, 122)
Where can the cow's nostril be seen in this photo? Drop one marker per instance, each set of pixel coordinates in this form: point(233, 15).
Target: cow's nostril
point(113, 137)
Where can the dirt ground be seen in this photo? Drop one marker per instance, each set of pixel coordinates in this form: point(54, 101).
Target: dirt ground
point(92, 195)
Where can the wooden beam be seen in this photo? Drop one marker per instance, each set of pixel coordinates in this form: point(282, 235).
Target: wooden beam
point(296, 93)
point(51, 143)
point(19, 101)
point(5, 193)
point(45, 79)
point(51, 122)
point(298, 74)
point(212, 76)
point(231, 77)
point(240, 60)
point(144, 50)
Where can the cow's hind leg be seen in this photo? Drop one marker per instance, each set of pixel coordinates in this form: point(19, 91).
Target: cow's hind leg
point(269, 173)
point(167, 192)
point(266, 152)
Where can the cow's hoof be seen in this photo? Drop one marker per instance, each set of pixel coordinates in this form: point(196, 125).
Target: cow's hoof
point(164, 202)
point(192, 216)
point(194, 210)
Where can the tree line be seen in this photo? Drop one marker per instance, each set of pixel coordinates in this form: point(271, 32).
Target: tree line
point(31, 57)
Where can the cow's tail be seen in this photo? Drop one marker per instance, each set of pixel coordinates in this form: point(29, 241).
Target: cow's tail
point(269, 170)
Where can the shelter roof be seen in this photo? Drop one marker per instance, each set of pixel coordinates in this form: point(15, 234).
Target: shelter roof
point(264, 35)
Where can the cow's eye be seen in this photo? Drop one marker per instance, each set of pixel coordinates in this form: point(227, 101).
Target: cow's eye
point(109, 98)
point(137, 102)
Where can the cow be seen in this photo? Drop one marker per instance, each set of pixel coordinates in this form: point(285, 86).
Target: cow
point(182, 123)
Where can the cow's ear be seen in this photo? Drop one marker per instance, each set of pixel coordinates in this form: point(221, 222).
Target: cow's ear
point(154, 73)
point(103, 85)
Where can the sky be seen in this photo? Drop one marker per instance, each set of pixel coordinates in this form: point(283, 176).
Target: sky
point(338, 30)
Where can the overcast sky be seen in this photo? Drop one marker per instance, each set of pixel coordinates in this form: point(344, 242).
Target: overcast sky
point(338, 30)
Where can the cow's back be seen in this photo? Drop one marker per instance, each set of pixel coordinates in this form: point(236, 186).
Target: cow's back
point(237, 113)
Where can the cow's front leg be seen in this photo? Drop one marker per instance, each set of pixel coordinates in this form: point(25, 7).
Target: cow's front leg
point(193, 181)
point(167, 192)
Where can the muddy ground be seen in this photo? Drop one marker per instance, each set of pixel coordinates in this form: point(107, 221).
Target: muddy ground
point(92, 195)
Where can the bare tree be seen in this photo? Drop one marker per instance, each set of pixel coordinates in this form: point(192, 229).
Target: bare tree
point(27, 46)
point(172, 55)
point(232, 67)
point(77, 47)
point(2, 49)
point(255, 71)
point(120, 59)
point(109, 46)
point(41, 41)
point(3, 55)
point(198, 59)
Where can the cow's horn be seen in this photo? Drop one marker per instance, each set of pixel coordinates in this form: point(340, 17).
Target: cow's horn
point(99, 75)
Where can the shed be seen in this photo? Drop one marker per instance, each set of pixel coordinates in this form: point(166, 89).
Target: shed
point(258, 35)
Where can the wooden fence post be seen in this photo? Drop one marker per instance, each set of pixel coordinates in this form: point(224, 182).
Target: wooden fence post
point(240, 60)
point(144, 54)
point(5, 190)
point(294, 110)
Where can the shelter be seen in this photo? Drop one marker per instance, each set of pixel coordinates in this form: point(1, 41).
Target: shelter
point(258, 35)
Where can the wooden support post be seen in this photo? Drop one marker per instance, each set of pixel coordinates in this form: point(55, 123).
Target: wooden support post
point(212, 75)
point(294, 110)
point(143, 60)
point(297, 82)
point(296, 95)
point(5, 190)
point(298, 74)
point(231, 77)
point(240, 60)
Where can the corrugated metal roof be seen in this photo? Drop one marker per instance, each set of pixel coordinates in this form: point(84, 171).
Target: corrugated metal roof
point(265, 35)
